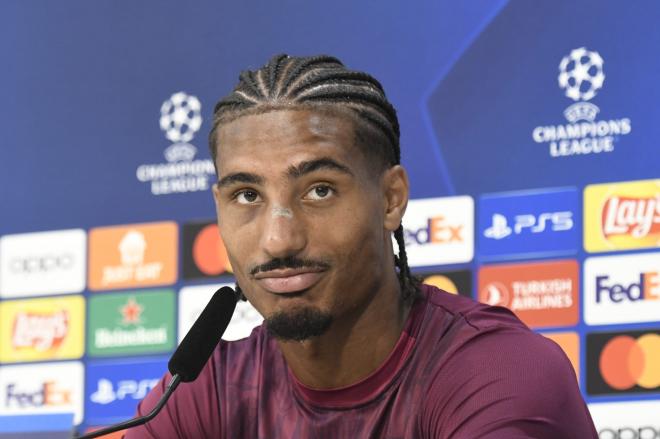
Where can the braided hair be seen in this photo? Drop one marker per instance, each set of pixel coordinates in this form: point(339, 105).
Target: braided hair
point(323, 82)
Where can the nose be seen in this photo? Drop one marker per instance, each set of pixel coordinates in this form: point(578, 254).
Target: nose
point(283, 234)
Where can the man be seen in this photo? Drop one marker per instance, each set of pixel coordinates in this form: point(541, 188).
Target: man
point(309, 195)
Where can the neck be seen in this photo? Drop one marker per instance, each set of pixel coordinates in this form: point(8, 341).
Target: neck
point(354, 346)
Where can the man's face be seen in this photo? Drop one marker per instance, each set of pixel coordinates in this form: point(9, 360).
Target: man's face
point(303, 215)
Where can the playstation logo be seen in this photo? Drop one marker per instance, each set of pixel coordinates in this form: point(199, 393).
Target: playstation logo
point(499, 228)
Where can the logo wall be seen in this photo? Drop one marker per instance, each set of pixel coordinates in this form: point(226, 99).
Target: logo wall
point(581, 76)
point(114, 388)
point(623, 362)
point(131, 323)
point(134, 256)
point(180, 119)
point(33, 264)
point(627, 420)
point(528, 223)
point(192, 301)
point(42, 329)
point(439, 231)
point(41, 389)
point(454, 282)
point(622, 216)
point(204, 254)
point(540, 294)
point(622, 289)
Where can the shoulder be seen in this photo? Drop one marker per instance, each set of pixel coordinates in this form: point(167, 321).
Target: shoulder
point(498, 377)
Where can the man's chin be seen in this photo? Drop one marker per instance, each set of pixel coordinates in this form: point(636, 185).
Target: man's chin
point(298, 324)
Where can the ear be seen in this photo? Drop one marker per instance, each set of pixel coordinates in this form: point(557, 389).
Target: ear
point(396, 190)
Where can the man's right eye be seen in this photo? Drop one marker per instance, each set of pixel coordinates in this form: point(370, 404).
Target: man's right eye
point(246, 196)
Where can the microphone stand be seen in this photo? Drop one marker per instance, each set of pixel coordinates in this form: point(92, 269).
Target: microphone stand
point(174, 382)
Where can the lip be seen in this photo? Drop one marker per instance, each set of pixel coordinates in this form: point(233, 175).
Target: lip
point(289, 281)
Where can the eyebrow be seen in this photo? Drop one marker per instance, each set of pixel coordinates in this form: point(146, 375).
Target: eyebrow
point(240, 177)
point(307, 167)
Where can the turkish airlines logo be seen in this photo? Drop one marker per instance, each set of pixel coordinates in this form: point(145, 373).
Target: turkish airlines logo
point(40, 331)
point(540, 294)
point(42, 263)
point(439, 230)
point(627, 362)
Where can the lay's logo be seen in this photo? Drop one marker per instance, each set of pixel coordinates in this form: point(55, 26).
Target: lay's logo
point(40, 331)
point(622, 216)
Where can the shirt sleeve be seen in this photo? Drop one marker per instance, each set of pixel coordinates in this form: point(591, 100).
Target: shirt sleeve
point(507, 385)
point(191, 412)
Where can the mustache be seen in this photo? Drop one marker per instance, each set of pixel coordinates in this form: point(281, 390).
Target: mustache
point(288, 262)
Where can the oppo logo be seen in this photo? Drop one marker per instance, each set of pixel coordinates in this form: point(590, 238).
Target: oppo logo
point(41, 264)
point(646, 432)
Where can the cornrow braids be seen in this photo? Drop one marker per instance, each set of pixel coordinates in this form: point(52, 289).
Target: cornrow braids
point(323, 81)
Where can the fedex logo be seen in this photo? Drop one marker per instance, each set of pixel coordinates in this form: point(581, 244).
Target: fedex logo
point(439, 231)
point(622, 289)
point(529, 222)
point(48, 394)
point(436, 231)
point(647, 288)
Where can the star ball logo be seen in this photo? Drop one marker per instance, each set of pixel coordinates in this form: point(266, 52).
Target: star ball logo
point(581, 77)
point(204, 253)
point(180, 119)
point(623, 362)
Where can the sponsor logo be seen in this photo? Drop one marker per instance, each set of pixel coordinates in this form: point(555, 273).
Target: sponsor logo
point(180, 119)
point(439, 231)
point(133, 256)
point(623, 362)
point(192, 301)
point(540, 294)
point(42, 263)
point(622, 289)
point(42, 329)
point(43, 388)
point(113, 388)
point(626, 420)
point(131, 323)
point(622, 216)
point(455, 282)
point(528, 223)
point(204, 254)
point(569, 342)
point(581, 76)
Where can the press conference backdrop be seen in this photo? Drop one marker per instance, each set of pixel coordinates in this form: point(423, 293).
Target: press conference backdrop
point(529, 129)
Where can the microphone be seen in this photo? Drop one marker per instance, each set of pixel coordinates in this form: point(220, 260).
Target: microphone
point(190, 357)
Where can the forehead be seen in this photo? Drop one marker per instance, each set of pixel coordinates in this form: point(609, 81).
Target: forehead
point(281, 130)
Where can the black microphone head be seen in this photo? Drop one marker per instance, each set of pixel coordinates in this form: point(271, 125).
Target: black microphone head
point(204, 335)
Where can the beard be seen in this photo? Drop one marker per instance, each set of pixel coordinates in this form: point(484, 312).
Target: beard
point(298, 324)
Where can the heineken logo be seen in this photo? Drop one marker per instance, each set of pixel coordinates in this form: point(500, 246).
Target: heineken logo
point(131, 323)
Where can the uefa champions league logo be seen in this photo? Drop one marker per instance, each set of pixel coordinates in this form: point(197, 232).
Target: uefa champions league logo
point(180, 119)
point(581, 76)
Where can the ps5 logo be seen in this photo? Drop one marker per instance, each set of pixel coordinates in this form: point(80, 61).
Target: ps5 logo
point(530, 223)
point(106, 393)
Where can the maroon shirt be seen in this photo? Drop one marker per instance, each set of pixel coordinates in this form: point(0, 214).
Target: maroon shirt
point(459, 370)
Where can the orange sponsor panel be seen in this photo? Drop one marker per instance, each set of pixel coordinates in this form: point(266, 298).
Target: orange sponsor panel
point(541, 294)
point(570, 344)
point(133, 256)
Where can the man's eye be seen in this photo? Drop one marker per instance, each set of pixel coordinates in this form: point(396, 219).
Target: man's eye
point(320, 192)
point(247, 197)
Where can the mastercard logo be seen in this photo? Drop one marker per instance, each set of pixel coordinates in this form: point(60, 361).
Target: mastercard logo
point(442, 282)
point(626, 362)
point(209, 252)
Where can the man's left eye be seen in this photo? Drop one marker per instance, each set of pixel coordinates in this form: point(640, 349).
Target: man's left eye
point(319, 193)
